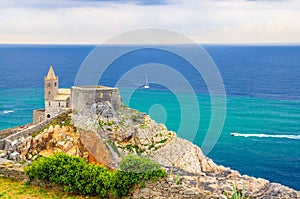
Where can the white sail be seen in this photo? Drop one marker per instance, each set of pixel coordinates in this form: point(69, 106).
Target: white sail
point(146, 83)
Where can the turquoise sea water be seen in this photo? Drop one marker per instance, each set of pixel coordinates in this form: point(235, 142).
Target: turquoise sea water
point(263, 102)
point(272, 152)
point(17, 104)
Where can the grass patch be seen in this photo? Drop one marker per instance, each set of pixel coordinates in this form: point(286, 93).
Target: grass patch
point(14, 189)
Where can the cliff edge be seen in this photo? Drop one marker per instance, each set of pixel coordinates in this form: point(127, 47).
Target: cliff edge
point(128, 131)
point(104, 135)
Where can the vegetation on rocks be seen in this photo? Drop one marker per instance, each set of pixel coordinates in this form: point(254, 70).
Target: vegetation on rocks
point(52, 140)
point(79, 176)
point(11, 188)
point(238, 194)
point(133, 132)
point(61, 120)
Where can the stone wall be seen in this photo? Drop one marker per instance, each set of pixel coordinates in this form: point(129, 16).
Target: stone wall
point(8, 141)
point(84, 97)
point(168, 188)
point(55, 107)
point(38, 116)
point(7, 132)
point(15, 171)
point(2, 144)
point(30, 130)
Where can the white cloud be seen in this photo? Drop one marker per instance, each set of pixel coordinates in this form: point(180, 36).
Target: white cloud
point(205, 21)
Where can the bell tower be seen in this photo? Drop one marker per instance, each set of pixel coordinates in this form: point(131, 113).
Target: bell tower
point(50, 85)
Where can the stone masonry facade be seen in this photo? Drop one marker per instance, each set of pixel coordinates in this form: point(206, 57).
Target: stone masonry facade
point(58, 100)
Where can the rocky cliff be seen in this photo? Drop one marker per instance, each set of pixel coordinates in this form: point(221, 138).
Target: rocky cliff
point(129, 131)
point(105, 136)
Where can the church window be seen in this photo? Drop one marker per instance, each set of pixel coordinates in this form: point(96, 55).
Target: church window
point(55, 84)
point(49, 104)
point(110, 94)
point(48, 116)
point(58, 104)
point(49, 92)
point(101, 95)
point(48, 84)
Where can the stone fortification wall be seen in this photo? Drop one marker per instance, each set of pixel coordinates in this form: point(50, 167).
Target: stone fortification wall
point(88, 103)
point(38, 116)
point(85, 97)
point(7, 132)
point(9, 140)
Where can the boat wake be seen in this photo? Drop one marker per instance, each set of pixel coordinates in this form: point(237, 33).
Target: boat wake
point(295, 137)
point(6, 112)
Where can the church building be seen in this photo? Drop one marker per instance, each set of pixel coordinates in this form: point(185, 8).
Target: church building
point(79, 98)
point(56, 99)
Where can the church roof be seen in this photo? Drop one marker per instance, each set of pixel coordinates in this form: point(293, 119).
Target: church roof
point(51, 74)
point(64, 91)
point(63, 94)
point(61, 97)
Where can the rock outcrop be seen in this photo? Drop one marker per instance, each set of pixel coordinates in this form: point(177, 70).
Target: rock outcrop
point(95, 148)
point(52, 140)
point(134, 132)
point(109, 135)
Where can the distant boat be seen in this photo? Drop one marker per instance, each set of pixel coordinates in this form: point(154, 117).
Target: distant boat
point(234, 134)
point(146, 86)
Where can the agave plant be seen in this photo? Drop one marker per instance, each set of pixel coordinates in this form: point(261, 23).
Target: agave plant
point(238, 194)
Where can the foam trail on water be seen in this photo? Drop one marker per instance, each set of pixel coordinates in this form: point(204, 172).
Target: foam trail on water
point(295, 137)
point(7, 112)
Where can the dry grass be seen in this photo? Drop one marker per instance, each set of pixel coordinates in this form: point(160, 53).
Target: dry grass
point(18, 190)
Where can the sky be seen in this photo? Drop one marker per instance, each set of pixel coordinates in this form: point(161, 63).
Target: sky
point(203, 21)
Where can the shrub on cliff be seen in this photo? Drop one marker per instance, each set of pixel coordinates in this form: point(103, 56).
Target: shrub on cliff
point(135, 170)
point(79, 176)
point(136, 164)
point(73, 172)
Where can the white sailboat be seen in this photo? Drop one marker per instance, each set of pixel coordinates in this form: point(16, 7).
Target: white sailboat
point(146, 86)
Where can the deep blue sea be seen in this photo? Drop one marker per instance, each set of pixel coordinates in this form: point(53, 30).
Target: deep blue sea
point(262, 84)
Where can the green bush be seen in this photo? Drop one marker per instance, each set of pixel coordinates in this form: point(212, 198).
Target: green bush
point(79, 176)
point(137, 164)
point(136, 170)
point(76, 174)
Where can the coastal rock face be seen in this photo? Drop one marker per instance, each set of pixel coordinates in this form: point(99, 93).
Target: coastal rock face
point(130, 131)
point(201, 172)
point(52, 140)
point(96, 150)
point(127, 130)
point(105, 136)
point(279, 191)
